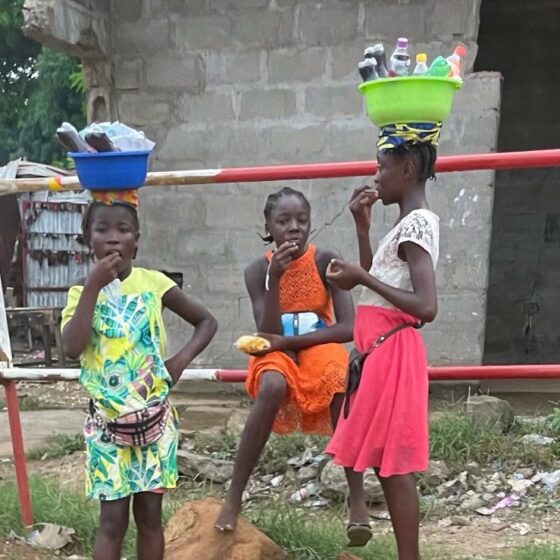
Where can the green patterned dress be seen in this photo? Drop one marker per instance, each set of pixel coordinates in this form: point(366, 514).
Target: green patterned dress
point(123, 370)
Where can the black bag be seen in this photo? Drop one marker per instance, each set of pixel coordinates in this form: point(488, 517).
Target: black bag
point(356, 362)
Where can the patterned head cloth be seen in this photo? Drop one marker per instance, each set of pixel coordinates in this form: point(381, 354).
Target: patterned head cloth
point(394, 135)
point(129, 197)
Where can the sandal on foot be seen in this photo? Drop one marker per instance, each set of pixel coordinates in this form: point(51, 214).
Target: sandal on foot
point(358, 534)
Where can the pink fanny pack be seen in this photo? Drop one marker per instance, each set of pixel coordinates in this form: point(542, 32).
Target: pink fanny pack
point(138, 428)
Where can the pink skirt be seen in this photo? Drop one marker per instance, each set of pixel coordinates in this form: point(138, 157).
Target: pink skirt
point(387, 426)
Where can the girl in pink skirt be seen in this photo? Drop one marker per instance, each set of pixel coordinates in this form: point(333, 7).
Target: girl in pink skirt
point(385, 421)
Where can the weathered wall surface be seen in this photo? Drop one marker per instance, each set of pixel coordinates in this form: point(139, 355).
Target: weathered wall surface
point(237, 83)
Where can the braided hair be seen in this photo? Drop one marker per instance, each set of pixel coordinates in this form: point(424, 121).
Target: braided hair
point(424, 152)
point(272, 202)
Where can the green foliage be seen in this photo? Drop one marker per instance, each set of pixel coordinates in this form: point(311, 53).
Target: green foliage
point(39, 88)
point(554, 420)
point(51, 102)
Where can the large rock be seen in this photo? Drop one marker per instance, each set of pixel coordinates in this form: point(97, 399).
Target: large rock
point(191, 534)
point(489, 412)
point(437, 473)
point(192, 464)
point(335, 485)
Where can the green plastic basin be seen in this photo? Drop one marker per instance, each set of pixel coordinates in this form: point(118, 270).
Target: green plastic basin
point(409, 99)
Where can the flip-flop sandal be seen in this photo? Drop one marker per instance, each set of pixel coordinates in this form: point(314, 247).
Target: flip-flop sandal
point(358, 534)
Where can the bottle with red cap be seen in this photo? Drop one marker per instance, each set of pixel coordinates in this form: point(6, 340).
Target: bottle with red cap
point(456, 62)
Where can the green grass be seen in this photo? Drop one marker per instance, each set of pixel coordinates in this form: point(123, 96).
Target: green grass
point(304, 534)
point(308, 536)
point(453, 439)
point(58, 445)
point(52, 504)
point(540, 551)
point(458, 441)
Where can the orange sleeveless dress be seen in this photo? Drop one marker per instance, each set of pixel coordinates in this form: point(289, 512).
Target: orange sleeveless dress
point(320, 371)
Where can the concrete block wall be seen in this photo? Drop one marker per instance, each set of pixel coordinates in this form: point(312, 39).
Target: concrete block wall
point(256, 82)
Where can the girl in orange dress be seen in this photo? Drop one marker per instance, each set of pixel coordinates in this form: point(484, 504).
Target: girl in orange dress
point(297, 383)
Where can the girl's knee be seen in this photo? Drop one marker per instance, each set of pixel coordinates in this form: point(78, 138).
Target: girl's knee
point(273, 386)
point(113, 524)
point(397, 480)
point(148, 520)
point(147, 511)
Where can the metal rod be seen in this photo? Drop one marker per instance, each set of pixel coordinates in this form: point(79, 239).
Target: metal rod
point(465, 162)
point(445, 373)
point(18, 449)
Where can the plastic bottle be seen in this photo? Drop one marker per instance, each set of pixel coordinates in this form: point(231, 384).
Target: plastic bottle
point(400, 59)
point(368, 69)
point(421, 68)
point(310, 489)
point(439, 67)
point(378, 53)
point(456, 62)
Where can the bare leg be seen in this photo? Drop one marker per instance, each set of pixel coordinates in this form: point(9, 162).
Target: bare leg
point(146, 507)
point(402, 500)
point(257, 430)
point(336, 407)
point(113, 523)
point(357, 498)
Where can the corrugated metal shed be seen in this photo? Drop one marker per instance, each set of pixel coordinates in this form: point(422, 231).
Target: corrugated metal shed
point(54, 256)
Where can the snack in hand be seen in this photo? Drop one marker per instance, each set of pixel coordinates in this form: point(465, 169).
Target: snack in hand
point(251, 344)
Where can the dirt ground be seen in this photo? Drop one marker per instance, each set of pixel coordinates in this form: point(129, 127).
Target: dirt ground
point(469, 535)
point(488, 537)
point(14, 551)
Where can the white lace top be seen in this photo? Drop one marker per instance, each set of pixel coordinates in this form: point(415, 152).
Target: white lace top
point(420, 227)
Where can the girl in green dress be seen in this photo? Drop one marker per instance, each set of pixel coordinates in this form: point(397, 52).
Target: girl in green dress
point(113, 324)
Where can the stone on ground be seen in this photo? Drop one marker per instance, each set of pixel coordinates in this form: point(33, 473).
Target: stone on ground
point(490, 412)
point(203, 466)
point(335, 485)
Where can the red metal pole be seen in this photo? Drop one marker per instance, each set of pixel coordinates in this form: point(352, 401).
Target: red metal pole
point(451, 373)
point(231, 375)
point(467, 162)
point(19, 453)
point(536, 371)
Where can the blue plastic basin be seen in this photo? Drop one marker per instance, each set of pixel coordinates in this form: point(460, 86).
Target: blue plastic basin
point(111, 170)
